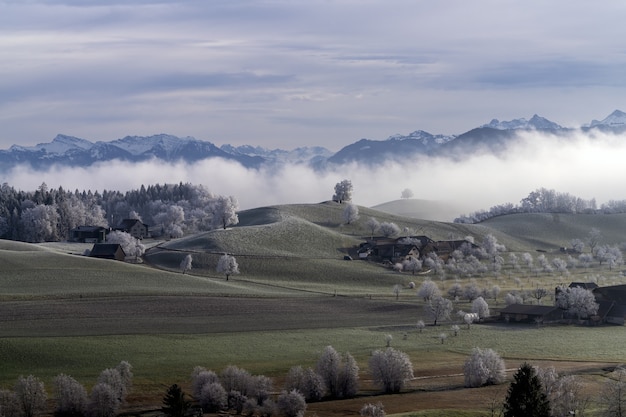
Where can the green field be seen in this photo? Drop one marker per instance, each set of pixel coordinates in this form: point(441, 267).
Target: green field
point(65, 313)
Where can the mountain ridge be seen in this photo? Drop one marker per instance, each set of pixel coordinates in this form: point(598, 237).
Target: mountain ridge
point(493, 137)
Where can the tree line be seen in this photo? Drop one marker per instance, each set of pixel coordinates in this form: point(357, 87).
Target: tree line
point(48, 214)
point(543, 200)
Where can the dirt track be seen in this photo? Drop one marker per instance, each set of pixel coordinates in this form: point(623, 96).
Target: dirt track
point(177, 314)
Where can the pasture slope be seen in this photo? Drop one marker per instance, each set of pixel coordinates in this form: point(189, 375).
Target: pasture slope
point(65, 313)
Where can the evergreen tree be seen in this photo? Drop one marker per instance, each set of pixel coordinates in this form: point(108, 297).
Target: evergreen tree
point(526, 396)
point(174, 403)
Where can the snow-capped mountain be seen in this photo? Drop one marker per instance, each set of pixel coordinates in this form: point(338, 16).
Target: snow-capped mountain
point(615, 119)
point(535, 122)
point(491, 137)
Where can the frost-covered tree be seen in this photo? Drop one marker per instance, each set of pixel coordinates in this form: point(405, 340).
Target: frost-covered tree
point(372, 410)
point(428, 290)
point(227, 265)
point(438, 308)
point(234, 378)
point(350, 213)
point(339, 374)
point(31, 395)
point(39, 223)
point(593, 239)
point(483, 367)
point(577, 245)
point(130, 245)
point(420, 325)
point(390, 369)
point(9, 404)
point(613, 394)
point(609, 255)
point(406, 193)
point(224, 211)
point(577, 301)
point(389, 229)
point(185, 264)
point(343, 191)
point(171, 219)
point(306, 381)
point(564, 392)
point(472, 291)
point(455, 291)
point(412, 264)
point(480, 307)
point(103, 401)
point(291, 404)
point(71, 397)
point(372, 224)
point(201, 377)
point(213, 397)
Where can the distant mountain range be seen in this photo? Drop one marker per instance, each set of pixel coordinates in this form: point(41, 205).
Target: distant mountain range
point(493, 137)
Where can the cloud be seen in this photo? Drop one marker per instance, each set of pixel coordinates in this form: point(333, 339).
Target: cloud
point(584, 165)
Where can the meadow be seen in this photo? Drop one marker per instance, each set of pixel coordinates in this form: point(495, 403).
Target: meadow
point(65, 313)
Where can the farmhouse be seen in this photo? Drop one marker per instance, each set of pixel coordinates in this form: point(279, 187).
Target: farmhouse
point(88, 234)
point(612, 302)
point(531, 313)
point(398, 249)
point(108, 251)
point(134, 227)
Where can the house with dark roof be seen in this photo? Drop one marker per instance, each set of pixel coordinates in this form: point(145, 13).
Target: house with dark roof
point(88, 234)
point(612, 301)
point(108, 251)
point(531, 313)
point(134, 227)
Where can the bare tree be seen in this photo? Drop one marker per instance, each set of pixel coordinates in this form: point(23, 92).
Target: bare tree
point(483, 367)
point(390, 369)
point(227, 265)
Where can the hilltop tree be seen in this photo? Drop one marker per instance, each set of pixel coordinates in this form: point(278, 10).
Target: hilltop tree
point(227, 265)
point(406, 193)
point(525, 396)
point(351, 213)
point(343, 191)
point(224, 211)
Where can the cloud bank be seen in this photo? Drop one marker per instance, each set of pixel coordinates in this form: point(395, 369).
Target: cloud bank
point(587, 166)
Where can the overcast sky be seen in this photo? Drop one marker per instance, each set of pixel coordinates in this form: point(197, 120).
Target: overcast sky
point(284, 73)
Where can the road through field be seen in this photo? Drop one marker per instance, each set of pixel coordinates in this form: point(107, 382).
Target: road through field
point(195, 314)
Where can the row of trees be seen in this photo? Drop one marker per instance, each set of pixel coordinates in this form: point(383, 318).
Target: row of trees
point(541, 200)
point(172, 209)
point(28, 397)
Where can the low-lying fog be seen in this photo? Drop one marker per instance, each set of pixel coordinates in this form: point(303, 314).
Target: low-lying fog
point(582, 165)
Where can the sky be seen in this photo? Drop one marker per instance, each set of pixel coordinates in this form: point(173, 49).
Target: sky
point(285, 73)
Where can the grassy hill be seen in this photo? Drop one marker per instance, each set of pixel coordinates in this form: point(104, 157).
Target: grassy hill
point(442, 211)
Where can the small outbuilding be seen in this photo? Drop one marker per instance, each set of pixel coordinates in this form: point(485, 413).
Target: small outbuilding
point(108, 251)
point(88, 234)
